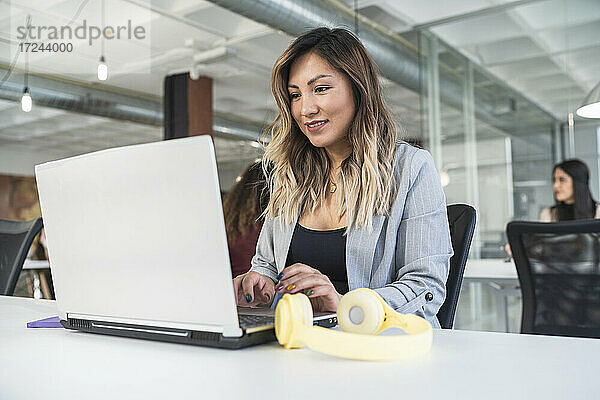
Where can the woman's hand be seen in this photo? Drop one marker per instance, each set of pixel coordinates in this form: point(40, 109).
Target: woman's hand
point(253, 289)
point(508, 250)
point(300, 278)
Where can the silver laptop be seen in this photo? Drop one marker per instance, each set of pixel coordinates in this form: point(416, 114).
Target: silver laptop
point(138, 247)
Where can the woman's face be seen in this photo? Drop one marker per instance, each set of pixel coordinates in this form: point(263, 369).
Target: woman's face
point(563, 186)
point(322, 102)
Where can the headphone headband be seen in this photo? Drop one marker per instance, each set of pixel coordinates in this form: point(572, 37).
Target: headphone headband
point(362, 313)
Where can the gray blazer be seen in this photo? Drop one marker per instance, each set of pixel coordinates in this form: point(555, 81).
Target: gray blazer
point(405, 258)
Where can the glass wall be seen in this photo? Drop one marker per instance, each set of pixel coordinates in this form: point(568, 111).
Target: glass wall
point(499, 90)
point(485, 139)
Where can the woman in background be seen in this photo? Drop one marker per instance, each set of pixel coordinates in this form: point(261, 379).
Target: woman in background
point(571, 193)
point(242, 207)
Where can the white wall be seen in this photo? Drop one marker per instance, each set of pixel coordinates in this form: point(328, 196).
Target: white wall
point(23, 162)
point(586, 149)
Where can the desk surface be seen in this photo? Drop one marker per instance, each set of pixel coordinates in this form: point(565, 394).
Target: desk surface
point(55, 362)
point(492, 269)
point(36, 264)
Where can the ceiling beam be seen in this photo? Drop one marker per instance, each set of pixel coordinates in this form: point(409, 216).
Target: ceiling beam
point(549, 54)
point(472, 14)
point(170, 15)
point(561, 62)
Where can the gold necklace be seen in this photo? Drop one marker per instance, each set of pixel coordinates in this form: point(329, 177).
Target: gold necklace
point(332, 187)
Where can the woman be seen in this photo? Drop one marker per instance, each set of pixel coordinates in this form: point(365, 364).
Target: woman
point(242, 209)
point(350, 207)
point(571, 193)
point(572, 196)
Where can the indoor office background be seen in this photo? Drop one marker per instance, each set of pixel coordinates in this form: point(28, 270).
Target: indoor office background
point(491, 92)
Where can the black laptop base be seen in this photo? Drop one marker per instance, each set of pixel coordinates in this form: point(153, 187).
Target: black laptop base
point(183, 336)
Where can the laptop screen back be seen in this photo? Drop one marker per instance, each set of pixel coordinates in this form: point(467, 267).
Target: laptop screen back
point(137, 232)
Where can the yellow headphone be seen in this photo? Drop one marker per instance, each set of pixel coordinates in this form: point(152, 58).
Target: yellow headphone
point(361, 313)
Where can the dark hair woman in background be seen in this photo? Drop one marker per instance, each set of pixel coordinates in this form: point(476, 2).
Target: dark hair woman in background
point(571, 193)
point(242, 209)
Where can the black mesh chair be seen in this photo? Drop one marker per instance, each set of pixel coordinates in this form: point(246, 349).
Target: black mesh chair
point(15, 240)
point(461, 218)
point(558, 267)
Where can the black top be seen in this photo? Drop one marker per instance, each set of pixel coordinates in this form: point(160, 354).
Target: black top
point(321, 250)
point(566, 212)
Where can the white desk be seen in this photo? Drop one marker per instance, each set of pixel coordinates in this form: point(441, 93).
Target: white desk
point(55, 363)
point(493, 269)
point(37, 280)
point(36, 264)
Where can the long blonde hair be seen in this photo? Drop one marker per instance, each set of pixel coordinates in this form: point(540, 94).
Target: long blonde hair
point(299, 171)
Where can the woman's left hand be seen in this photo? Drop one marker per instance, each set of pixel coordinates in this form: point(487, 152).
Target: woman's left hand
point(300, 278)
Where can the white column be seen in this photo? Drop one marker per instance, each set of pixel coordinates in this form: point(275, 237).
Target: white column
point(432, 82)
point(470, 150)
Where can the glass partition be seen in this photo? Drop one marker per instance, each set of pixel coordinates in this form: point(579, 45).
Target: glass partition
point(480, 133)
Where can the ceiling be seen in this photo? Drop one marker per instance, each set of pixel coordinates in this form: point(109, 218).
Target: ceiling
point(547, 49)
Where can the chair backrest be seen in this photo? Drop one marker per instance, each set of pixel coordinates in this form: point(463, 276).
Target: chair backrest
point(15, 240)
point(461, 218)
point(559, 271)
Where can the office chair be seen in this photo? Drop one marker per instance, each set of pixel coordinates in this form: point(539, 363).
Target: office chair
point(15, 240)
point(558, 268)
point(461, 218)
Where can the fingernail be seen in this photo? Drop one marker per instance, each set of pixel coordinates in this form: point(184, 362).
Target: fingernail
point(310, 292)
point(280, 276)
point(290, 287)
point(248, 298)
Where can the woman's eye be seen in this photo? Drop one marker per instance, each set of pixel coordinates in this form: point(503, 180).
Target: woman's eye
point(294, 96)
point(319, 89)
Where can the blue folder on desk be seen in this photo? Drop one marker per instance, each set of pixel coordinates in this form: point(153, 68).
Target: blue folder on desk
point(51, 322)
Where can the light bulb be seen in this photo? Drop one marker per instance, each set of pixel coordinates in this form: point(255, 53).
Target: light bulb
point(102, 70)
point(589, 110)
point(26, 101)
point(591, 105)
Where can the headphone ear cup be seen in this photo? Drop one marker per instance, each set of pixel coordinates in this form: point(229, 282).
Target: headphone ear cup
point(293, 316)
point(360, 311)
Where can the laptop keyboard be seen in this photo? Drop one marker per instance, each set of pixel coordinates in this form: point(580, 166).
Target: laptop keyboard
point(251, 321)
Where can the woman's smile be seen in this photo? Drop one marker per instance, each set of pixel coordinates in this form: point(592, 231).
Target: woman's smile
point(316, 125)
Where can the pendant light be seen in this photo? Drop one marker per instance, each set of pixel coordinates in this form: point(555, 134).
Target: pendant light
point(591, 105)
point(102, 67)
point(26, 102)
